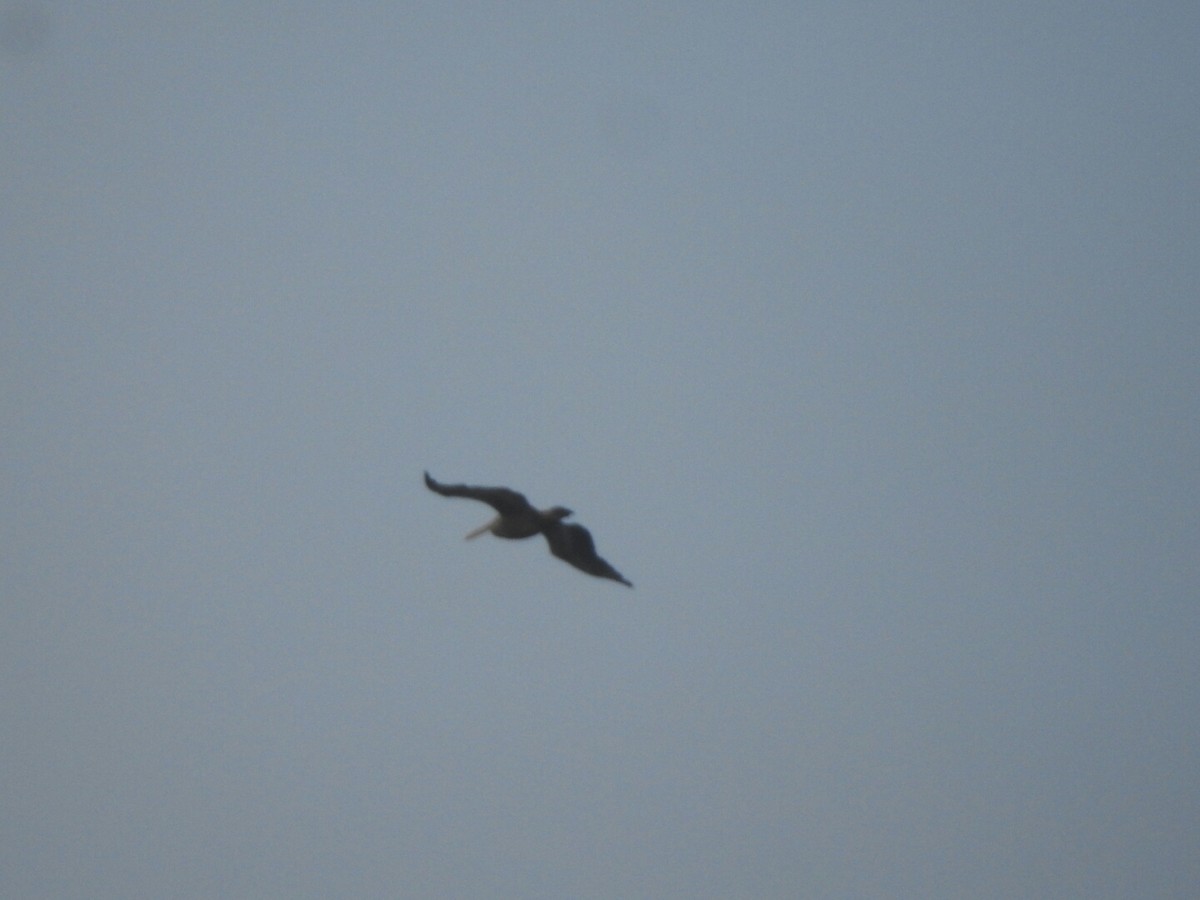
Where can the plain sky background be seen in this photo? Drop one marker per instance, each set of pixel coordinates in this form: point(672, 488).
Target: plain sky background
point(865, 338)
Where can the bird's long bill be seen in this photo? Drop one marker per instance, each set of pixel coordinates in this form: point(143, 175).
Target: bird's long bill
point(482, 529)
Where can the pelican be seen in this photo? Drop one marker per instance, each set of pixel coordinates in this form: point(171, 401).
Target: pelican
point(518, 519)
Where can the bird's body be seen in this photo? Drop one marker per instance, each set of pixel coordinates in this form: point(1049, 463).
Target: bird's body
point(517, 518)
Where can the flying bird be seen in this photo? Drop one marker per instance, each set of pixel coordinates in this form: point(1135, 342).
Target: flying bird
point(518, 519)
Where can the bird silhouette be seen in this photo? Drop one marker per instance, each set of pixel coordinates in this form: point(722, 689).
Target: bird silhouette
point(517, 518)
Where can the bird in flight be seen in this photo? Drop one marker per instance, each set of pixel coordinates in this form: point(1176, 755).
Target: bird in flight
point(517, 518)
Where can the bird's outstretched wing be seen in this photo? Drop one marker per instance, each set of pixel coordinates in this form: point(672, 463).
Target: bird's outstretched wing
point(504, 501)
point(573, 544)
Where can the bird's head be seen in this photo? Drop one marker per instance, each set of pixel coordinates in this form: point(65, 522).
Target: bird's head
point(557, 512)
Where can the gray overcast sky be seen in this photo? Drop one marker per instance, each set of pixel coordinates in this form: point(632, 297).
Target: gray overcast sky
point(863, 338)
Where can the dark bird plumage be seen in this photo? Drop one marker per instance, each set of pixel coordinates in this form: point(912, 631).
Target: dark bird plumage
point(517, 518)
